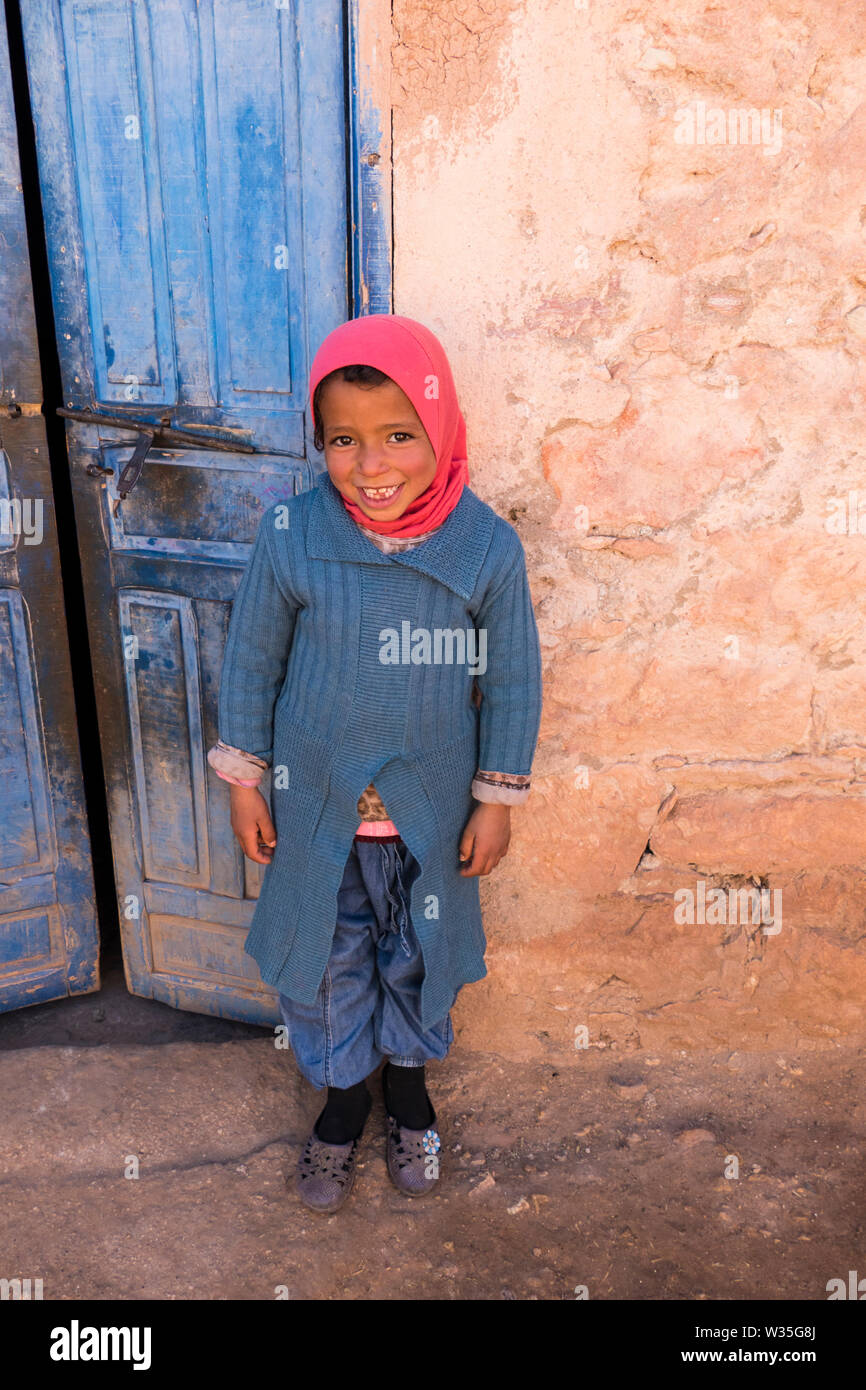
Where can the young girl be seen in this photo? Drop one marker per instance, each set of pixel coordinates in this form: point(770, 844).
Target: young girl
point(383, 660)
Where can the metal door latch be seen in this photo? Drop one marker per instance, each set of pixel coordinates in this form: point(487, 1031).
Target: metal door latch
point(152, 433)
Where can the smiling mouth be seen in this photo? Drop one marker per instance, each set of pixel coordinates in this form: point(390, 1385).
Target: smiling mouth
point(380, 494)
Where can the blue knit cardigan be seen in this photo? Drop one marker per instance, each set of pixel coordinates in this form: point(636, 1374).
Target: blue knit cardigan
point(305, 685)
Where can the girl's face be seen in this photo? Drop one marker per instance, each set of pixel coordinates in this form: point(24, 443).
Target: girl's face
point(377, 451)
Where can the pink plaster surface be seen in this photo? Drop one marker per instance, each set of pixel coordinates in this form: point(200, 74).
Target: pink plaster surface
point(658, 343)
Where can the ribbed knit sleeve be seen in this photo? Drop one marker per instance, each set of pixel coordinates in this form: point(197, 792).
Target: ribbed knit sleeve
point(510, 713)
point(257, 651)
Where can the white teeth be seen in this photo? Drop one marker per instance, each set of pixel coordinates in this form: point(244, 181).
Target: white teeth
point(380, 492)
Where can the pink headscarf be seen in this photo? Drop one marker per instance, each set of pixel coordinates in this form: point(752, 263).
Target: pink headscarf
point(414, 358)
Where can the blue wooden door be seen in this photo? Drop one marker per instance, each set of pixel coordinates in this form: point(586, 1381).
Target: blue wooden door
point(48, 933)
point(193, 168)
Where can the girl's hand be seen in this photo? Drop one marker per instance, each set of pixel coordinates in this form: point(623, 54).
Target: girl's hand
point(252, 824)
point(485, 838)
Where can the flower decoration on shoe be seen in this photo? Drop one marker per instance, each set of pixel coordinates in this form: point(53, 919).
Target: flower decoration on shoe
point(431, 1142)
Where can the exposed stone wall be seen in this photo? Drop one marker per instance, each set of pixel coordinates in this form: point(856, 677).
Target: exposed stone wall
point(657, 332)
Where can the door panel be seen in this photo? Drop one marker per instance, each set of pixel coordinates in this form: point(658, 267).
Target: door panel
point(48, 934)
point(210, 251)
point(193, 170)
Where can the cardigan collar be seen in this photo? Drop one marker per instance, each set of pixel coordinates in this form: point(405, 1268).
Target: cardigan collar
point(453, 555)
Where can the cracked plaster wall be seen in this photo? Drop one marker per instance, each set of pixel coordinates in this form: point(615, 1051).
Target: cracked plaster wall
point(659, 351)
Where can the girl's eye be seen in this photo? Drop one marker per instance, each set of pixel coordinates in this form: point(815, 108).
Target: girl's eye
point(341, 439)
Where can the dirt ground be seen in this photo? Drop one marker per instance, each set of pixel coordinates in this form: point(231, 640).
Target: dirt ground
point(607, 1176)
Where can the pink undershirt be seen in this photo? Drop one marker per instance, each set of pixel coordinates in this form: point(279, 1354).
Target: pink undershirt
point(367, 830)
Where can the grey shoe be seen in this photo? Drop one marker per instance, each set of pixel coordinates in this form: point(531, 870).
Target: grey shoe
point(326, 1173)
point(413, 1157)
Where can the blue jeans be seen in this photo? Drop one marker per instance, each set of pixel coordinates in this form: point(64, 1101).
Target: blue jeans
point(369, 1002)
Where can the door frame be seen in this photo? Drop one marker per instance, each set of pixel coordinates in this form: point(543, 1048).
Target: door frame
point(369, 35)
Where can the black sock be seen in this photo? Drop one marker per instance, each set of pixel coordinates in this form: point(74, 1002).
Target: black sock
point(406, 1096)
point(345, 1114)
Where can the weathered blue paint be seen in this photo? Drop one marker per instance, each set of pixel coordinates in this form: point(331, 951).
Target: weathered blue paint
point(48, 934)
point(193, 164)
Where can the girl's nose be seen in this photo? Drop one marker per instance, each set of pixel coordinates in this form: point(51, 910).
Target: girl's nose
point(371, 462)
